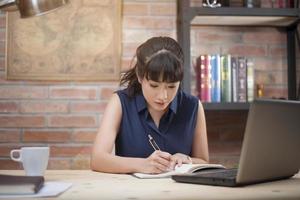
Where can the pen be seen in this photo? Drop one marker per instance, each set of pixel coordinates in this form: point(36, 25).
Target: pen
point(153, 143)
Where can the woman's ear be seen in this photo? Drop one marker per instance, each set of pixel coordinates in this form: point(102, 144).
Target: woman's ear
point(139, 79)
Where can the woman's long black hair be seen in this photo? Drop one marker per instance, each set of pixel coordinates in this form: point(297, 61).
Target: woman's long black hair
point(158, 59)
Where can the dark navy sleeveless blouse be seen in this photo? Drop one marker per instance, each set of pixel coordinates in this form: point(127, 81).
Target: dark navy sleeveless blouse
point(175, 132)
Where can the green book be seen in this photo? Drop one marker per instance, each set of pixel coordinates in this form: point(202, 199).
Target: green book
point(226, 78)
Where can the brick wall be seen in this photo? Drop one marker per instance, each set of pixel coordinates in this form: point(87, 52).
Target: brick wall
point(66, 115)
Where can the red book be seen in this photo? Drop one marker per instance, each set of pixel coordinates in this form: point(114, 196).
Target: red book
point(205, 77)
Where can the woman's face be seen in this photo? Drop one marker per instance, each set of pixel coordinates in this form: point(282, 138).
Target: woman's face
point(158, 94)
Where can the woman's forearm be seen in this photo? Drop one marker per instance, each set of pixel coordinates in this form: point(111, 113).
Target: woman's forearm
point(199, 161)
point(109, 163)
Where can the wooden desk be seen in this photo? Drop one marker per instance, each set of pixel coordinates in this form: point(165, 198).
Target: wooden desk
point(94, 185)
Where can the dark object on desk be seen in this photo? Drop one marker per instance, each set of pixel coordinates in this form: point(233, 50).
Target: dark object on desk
point(12, 185)
point(270, 148)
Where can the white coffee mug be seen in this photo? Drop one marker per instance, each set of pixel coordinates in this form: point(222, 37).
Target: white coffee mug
point(34, 159)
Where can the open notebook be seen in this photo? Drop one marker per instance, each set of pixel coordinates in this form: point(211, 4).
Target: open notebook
point(184, 168)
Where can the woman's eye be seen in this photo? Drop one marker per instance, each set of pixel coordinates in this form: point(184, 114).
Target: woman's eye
point(154, 86)
point(171, 86)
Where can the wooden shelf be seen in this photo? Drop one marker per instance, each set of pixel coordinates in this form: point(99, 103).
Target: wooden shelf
point(284, 18)
point(226, 106)
point(244, 16)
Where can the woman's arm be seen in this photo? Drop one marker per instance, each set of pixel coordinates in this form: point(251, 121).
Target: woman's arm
point(200, 145)
point(102, 158)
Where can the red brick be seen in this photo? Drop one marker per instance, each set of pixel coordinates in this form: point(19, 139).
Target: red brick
point(9, 136)
point(59, 163)
point(137, 35)
point(277, 51)
point(44, 107)
point(73, 93)
point(261, 37)
point(46, 136)
point(81, 163)
point(267, 64)
point(246, 50)
point(5, 150)
point(84, 136)
point(8, 107)
point(22, 121)
point(23, 92)
point(130, 49)
point(163, 9)
point(106, 93)
point(275, 92)
point(88, 107)
point(135, 9)
point(72, 121)
point(70, 151)
point(148, 23)
point(271, 77)
point(8, 164)
point(196, 50)
point(126, 64)
point(216, 37)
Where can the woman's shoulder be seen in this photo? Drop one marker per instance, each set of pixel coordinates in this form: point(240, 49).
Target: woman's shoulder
point(124, 96)
point(122, 93)
point(188, 98)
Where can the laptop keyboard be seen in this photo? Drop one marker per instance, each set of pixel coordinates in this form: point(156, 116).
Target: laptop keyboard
point(218, 173)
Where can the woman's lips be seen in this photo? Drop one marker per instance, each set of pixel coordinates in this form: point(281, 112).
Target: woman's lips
point(160, 103)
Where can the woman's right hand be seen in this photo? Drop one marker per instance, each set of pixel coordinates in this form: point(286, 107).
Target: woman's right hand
point(157, 162)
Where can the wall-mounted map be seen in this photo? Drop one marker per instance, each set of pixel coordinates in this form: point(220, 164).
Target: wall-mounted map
point(80, 41)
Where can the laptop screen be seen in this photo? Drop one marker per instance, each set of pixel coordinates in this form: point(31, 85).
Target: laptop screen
point(271, 145)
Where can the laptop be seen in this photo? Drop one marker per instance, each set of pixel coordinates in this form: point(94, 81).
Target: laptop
point(270, 150)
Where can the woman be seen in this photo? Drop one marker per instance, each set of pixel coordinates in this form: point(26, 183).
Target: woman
point(152, 106)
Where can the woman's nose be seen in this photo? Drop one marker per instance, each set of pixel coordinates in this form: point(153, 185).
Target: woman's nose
point(163, 94)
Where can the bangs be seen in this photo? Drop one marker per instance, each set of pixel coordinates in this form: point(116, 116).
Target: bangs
point(164, 67)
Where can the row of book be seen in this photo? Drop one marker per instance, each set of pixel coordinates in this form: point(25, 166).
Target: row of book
point(224, 78)
point(259, 3)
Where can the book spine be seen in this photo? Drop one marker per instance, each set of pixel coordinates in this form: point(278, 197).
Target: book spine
point(208, 78)
point(202, 77)
point(250, 80)
point(198, 76)
point(215, 78)
point(205, 78)
point(226, 78)
point(234, 82)
point(242, 80)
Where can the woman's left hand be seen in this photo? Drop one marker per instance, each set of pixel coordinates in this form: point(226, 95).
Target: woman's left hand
point(179, 159)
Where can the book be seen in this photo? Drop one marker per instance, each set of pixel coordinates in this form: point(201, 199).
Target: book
point(215, 78)
point(184, 168)
point(205, 76)
point(226, 78)
point(12, 185)
point(250, 80)
point(241, 80)
point(234, 80)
